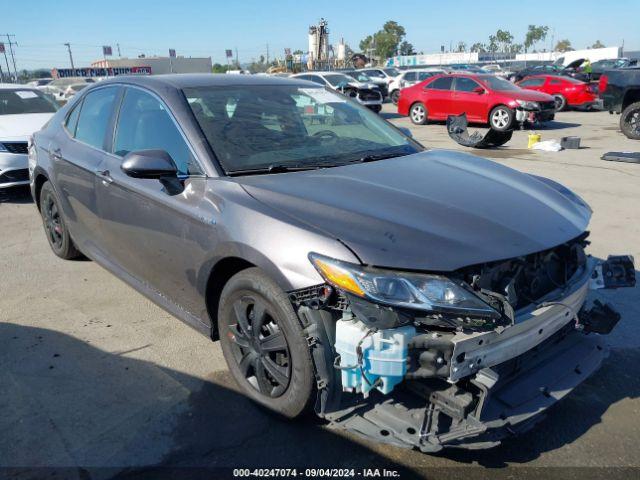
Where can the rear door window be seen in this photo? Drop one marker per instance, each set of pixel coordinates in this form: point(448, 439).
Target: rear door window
point(442, 83)
point(95, 115)
point(410, 76)
point(72, 119)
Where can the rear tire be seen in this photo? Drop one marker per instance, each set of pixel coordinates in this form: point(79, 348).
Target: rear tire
point(263, 344)
point(501, 118)
point(561, 102)
point(54, 224)
point(630, 121)
point(418, 114)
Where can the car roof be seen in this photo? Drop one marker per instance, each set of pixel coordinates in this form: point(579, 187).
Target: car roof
point(180, 81)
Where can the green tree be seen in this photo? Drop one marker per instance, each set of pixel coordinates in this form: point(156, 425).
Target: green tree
point(492, 47)
point(515, 48)
point(385, 42)
point(461, 47)
point(598, 44)
point(563, 46)
point(534, 35)
point(504, 39)
point(298, 52)
point(406, 48)
point(478, 47)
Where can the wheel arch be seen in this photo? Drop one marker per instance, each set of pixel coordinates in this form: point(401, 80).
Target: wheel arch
point(630, 96)
point(39, 180)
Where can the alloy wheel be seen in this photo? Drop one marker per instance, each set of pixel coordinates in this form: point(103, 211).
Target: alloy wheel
point(418, 113)
point(259, 346)
point(500, 118)
point(633, 120)
point(53, 222)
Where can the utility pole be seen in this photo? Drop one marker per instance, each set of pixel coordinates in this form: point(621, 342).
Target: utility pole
point(118, 47)
point(68, 45)
point(11, 43)
point(7, 62)
point(267, 54)
point(237, 61)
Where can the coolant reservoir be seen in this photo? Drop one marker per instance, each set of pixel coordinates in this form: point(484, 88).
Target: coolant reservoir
point(384, 356)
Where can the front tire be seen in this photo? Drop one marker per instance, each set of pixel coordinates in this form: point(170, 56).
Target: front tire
point(263, 344)
point(561, 102)
point(54, 225)
point(418, 113)
point(501, 118)
point(630, 121)
point(395, 96)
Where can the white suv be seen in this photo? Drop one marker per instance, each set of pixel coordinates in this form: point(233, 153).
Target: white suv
point(408, 78)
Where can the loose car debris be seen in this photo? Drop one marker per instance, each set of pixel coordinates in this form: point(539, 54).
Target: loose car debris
point(627, 157)
point(457, 128)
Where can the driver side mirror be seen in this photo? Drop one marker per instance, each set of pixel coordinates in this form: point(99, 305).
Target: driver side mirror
point(478, 90)
point(149, 164)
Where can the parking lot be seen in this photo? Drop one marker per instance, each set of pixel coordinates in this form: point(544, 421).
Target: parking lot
point(95, 375)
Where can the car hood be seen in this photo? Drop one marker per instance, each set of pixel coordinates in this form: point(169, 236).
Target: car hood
point(575, 64)
point(14, 127)
point(433, 211)
point(530, 95)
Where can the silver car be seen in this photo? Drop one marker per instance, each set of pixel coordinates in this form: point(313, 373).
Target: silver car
point(419, 298)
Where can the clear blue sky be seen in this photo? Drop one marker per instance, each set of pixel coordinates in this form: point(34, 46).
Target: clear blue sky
point(207, 28)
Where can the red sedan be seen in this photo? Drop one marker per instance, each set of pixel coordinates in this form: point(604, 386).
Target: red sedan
point(567, 91)
point(484, 98)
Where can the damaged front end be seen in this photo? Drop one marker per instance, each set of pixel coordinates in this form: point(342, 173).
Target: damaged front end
point(530, 112)
point(430, 361)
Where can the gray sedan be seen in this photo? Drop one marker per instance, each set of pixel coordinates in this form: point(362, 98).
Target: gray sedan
point(415, 297)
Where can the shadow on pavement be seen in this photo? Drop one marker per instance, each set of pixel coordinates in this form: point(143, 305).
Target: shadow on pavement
point(18, 195)
point(95, 414)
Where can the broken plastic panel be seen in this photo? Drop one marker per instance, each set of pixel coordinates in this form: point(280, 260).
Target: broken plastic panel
point(457, 128)
point(616, 272)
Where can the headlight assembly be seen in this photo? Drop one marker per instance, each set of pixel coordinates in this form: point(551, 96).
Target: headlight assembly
point(425, 292)
point(528, 105)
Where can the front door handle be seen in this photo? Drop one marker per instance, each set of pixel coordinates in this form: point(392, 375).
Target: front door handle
point(56, 154)
point(105, 176)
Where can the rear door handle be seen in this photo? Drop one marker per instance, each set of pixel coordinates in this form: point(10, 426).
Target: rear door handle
point(105, 176)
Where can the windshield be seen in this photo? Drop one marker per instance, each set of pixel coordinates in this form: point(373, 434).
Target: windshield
point(359, 76)
point(497, 83)
point(286, 127)
point(338, 79)
point(394, 72)
point(13, 102)
point(374, 74)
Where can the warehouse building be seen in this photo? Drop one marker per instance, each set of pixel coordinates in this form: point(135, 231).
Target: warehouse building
point(159, 65)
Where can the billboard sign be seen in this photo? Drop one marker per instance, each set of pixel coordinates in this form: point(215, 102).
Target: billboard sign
point(107, 51)
point(229, 53)
point(99, 72)
point(172, 53)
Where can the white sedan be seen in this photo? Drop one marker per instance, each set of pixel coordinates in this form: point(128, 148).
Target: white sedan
point(23, 111)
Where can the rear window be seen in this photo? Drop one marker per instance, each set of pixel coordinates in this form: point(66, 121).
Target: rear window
point(15, 102)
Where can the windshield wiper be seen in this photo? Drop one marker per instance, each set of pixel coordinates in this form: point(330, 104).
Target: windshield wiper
point(274, 168)
point(381, 156)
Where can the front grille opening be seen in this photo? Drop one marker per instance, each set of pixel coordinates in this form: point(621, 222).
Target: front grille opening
point(525, 280)
point(16, 147)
